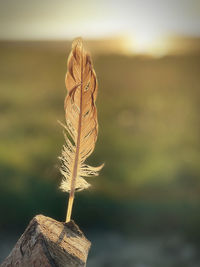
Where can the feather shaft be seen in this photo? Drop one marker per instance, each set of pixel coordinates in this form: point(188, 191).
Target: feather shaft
point(75, 168)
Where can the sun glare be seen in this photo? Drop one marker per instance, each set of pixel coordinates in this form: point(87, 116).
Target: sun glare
point(144, 42)
point(148, 43)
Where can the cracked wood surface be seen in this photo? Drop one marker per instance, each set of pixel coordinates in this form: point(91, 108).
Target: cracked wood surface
point(49, 243)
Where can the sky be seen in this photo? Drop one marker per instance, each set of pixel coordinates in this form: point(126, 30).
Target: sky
point(66, 19)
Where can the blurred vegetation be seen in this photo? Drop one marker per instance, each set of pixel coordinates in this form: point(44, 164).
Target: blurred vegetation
point(149, 130)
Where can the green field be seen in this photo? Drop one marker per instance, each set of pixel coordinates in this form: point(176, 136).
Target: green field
point(149, 130)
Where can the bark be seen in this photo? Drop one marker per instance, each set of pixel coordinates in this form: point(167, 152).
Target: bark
point(49, 243)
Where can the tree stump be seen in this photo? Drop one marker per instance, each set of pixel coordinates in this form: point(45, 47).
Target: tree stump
point(49, 243)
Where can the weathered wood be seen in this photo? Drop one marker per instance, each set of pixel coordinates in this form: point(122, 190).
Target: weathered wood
point(49, 243)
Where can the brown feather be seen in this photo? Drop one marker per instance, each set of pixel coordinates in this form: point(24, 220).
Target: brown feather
point(81, 120)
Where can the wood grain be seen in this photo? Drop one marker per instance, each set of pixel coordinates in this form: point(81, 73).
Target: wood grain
point(49, 243)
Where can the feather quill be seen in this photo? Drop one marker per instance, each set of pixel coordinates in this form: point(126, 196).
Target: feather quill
point(81, 123)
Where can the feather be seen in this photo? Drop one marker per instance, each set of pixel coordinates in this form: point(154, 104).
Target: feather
point(81, 123)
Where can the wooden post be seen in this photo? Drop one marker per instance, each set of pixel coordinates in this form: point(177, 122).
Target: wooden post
point(49, 243)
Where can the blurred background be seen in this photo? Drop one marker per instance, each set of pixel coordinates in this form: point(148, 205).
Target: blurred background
point(144, 208)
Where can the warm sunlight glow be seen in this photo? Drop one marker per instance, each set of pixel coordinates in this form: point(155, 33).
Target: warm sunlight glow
point(144, 41)
point(149, 43)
